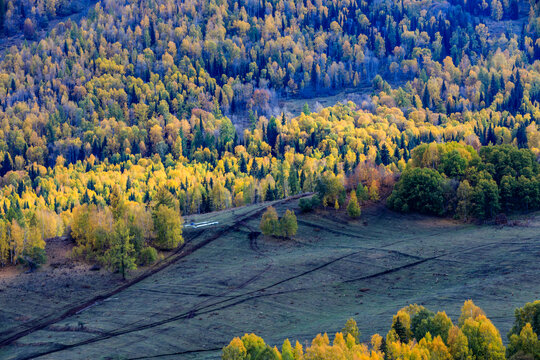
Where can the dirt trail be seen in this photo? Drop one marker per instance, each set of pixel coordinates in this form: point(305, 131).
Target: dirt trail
point(337, 271)
point(185, 250)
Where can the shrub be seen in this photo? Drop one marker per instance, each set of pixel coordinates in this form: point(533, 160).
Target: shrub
point(288, 224)
point(33, 258)
point(148, 256)
point(353, 209)
point(306, 205)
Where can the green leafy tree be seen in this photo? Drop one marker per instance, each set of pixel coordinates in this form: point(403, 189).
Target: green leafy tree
point(351, 328)
point(458, 344)
point(288, 224)
point(464, 199)
point(528, 314)
point(305, 109)
point(421, 323)
point(419, 189)
point(235, 350)
point(167, 227)
point(525, 345)
point(269, 222)
point(121, 255)
point(287, 352)
point(362, 193)
point(453, 164)
point(353, 209)
point(485, 198)
point(254, 345)
point(329, 188)
point(484, 339)
point(425, 321)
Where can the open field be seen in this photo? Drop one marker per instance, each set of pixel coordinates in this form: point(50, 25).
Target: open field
point(235, 280)
point(29, 297)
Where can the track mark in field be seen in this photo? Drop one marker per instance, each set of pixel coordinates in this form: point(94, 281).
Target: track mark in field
point(189, 314)
point(187, 352)
point(181, 254)
point(225, 294)
point(241, 298)
point(337, 232)
point(50, 319)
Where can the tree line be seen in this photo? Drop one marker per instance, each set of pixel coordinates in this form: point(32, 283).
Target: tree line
point(416, 333)
point(332, 152)
point(453, 179)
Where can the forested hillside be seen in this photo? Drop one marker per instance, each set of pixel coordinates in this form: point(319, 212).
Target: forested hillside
point(29, 16)
point(98, 116)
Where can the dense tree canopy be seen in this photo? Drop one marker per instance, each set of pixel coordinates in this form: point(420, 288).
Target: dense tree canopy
point(143, 97)
point(452, 178)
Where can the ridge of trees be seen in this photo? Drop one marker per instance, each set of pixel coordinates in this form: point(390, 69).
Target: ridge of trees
point(336, 150)
point(416, 333)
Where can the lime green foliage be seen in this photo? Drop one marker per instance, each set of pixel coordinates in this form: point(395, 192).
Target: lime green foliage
point(362, 193)
point(271, 225)
point(530, 313)
point(525, 345)
point(168, 227)
point(288, 224)
point(330, 189)
point(351, 328)
point(269, 222)
point(148, 256)
point(353, 209)
point(121, 255)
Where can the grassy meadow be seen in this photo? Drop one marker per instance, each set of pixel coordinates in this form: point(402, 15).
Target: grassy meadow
point(235, 280)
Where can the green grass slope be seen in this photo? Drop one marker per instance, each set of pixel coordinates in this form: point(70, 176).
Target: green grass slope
point(238, 281)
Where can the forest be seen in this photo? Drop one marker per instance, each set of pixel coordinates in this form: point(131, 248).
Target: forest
point(415, 333)
point(114, 126)
point(177, 173)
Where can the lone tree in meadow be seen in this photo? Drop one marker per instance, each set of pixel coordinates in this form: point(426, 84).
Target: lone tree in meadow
point(269, 222)
point(353, 209)
point(271, 225)
point(288, 224)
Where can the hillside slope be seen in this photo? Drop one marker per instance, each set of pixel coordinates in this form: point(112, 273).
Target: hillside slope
point(333, 269)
